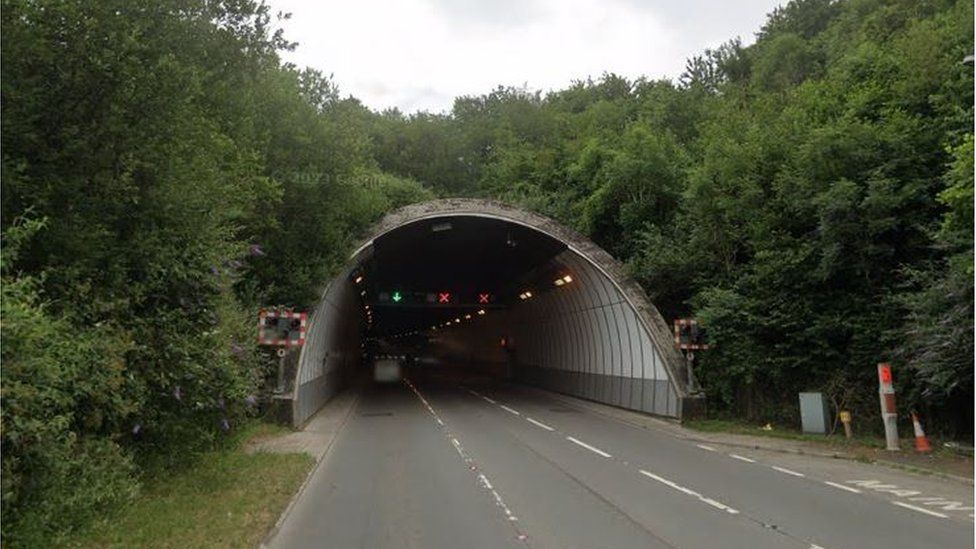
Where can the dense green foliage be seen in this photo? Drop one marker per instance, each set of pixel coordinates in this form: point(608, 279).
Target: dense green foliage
point(163, 176)
point(809, 197)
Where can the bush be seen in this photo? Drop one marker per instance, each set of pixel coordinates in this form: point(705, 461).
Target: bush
point(62, 393)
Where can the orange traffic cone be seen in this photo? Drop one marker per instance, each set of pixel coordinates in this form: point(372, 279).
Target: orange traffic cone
point(921, 441)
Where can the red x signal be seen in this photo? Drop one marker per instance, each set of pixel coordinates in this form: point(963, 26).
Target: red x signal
point(444, 297)
point(483, 298)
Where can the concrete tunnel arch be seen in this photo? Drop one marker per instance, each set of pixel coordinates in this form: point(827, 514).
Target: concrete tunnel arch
point(599, 338)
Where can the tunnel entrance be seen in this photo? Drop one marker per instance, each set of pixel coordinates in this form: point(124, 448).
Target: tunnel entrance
point(481, 285)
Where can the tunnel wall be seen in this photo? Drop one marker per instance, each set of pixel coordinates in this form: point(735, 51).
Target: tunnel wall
point(331, 351)
point(581, 339)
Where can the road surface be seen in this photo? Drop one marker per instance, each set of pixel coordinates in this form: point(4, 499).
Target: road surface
point(441, 461)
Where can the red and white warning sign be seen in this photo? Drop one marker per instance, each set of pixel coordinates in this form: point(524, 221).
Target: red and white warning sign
point(281, 328)
point(689, 335)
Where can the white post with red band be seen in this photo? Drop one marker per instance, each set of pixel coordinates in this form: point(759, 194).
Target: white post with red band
point(886, 392)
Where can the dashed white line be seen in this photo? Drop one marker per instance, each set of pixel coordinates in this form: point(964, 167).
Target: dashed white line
point(842, 487)
point(510, 410)
point(690, 492)
point(489, 400)
point(484, 480)
point(742, 458)
point(475, 393)
point(919, 509)
point(788, 471)
point(539, 424)
point(593, 449)
point(706, 447)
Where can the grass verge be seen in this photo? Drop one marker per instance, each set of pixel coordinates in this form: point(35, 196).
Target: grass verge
point(227, 499)
point(743, 428)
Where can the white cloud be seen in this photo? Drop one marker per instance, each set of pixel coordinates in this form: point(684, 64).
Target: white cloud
point(420, 54)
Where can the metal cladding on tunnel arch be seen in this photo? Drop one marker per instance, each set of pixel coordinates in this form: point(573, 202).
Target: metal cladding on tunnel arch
point(598, 338)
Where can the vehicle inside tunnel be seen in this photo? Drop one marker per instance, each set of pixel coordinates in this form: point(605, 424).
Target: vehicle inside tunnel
point(482, 287)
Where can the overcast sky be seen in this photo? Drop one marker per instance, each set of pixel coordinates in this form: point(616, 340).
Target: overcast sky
point(421, 54)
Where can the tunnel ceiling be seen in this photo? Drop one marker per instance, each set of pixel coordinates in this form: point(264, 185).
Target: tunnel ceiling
point(461, 255)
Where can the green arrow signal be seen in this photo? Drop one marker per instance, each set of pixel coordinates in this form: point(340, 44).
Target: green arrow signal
point(397, 297)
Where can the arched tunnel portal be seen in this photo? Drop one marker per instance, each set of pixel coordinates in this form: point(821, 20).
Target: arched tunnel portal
point(481, 285)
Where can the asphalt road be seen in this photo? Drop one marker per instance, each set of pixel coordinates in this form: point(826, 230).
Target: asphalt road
point(449, 462)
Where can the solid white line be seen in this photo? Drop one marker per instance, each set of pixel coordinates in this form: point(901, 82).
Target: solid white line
point(488, 399)
point(842, 487)
point(513, 411)
point(706, 447)
point(742, 458)
point(682, 489)
point(539, 424)
point(588, 447)
point(788, 472)
point(919, 509)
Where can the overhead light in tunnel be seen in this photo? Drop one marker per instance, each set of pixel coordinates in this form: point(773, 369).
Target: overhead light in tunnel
point(358, 279)
point(440, 227)
point(525, 295)
point(563, 280)
point(481, 311)
point(467, 317)
point(458, 320)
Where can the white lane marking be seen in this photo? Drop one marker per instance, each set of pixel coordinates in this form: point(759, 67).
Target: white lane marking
point(842, 487)
point(742, 458)
point(788, 471)
point(947, 505)
point(439, 422)
point(670, 483)
point(690, 492)
point(912, 495)
point(815, 546)
point(919, 509)
point(489, 400)
point(510, 410)
point(706, 447)
point(484, 480)
point(539, 424)
point(593, 449)
point(475, 393)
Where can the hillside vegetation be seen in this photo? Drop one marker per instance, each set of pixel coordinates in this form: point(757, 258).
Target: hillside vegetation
point(809, 197)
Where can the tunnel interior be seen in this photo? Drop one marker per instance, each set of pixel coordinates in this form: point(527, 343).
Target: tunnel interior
point(434, 275)
point(521, 299)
